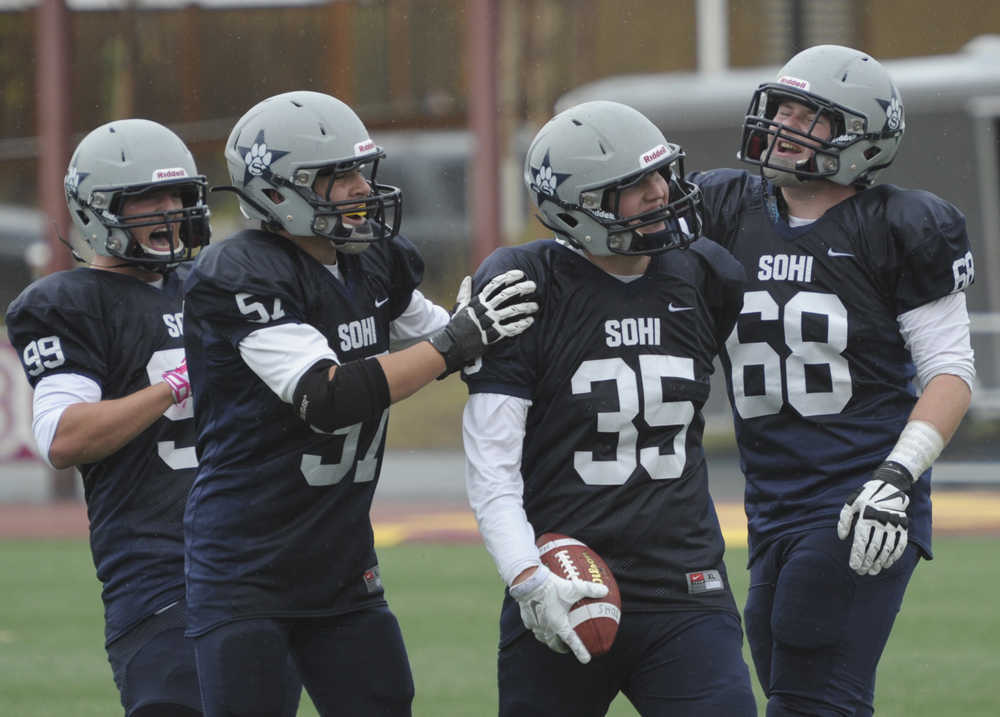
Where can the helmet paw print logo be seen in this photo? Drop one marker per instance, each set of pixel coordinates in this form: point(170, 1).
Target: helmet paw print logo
point(73, 179)
point(258, 159)
point(544, 180)
point(894, 114)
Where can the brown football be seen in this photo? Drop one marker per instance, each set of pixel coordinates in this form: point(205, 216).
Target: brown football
point(594, 619)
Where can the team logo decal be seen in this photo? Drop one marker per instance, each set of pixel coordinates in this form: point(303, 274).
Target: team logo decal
point(73, 179)
point(544, 181)
point(893, 113)
point(258, 158)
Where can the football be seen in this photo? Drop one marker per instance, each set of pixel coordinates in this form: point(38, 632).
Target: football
point(594, 619)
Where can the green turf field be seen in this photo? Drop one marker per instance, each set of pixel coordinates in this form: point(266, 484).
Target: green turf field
point(942, 659)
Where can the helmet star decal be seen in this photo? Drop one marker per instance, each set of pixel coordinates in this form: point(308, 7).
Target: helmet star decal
point(73, 179)
point(544, 181)
point(258, 158)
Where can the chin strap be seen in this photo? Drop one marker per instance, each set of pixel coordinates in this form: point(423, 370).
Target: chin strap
point(72, 250)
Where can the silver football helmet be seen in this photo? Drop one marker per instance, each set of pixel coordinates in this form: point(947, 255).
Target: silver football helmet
point(278, 149)
point(849, 88)
point(126, 159)
point(581, 160)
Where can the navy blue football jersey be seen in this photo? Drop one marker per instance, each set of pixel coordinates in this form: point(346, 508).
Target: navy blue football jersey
point(618, 373)
point(123, 334)
point(817, 372)
point(278, 520)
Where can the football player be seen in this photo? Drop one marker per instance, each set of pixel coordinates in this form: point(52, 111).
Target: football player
point(288, 328)
point(103, 348)
point(855, 293)
point(590, 424)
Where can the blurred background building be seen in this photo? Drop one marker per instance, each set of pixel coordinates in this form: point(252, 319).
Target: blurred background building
point(453, 89)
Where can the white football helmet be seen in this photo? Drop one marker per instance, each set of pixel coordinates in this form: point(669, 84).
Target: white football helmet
point(126, 159)
point(581, 160)
point(854, 92)
point(280, 146)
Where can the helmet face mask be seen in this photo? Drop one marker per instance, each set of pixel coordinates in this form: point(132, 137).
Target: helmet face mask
point(767, 132)
point(132, 159)
point(280, 148)
point(848, 88)
point(191, 230)
point(367, 214)
point(679, 217)
point(582, 162)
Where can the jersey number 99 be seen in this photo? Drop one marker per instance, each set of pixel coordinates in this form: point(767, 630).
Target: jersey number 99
point(41, 354)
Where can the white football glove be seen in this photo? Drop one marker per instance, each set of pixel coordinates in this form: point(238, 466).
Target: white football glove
point(545, 609)
point(481, 320)
point(878, 513)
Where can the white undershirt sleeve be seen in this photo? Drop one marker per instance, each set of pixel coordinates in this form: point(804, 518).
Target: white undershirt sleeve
point(53, 395)
point(937, 337)
point(493, 432)
point(421, 318)
point(280, 355)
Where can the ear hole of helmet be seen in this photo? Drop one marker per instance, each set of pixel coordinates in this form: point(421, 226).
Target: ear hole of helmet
point(872, 152)
point(568, 219)
point(274, 195)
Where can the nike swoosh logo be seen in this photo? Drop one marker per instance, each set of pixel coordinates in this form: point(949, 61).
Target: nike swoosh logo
point(381, 302)
point(671, 307)
point(831, 252)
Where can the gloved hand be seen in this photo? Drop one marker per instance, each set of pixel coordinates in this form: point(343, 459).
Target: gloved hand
point(177, 379)
point(481, 320)
point(880, 527)
point(545, 603)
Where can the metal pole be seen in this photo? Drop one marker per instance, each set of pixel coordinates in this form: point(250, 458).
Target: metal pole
point(798, 26)
point(482, 29)
point(53, 106)
point(712, 23)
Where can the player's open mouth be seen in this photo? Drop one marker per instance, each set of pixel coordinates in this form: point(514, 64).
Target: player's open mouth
point(161, 240)
point(785, 147)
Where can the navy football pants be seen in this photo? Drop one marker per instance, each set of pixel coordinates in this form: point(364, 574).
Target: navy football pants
point(668, 664)
point(353, 664)
point(816, 628)
point(154, 668)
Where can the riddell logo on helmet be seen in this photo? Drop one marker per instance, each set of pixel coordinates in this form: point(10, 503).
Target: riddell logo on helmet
point(364, 147)
point(652, 155)
point(160, 175)
point(794, 82)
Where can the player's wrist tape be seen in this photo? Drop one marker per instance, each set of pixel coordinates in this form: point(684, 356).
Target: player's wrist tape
point(358, 391)
point(530, 583)
point(918, 446)
point(894, 474)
